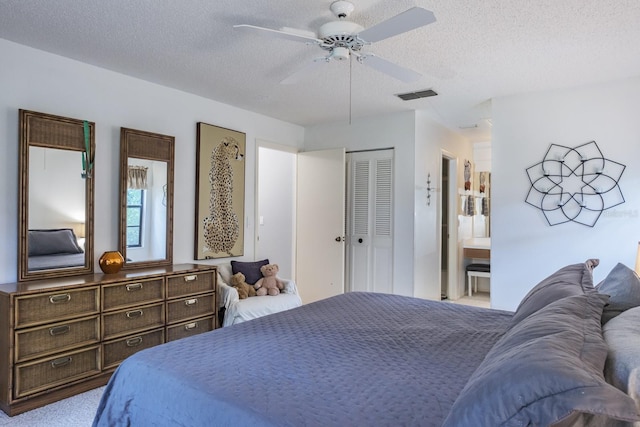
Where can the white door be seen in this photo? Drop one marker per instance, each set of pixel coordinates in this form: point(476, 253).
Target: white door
point(369, 221)
point(320, 224)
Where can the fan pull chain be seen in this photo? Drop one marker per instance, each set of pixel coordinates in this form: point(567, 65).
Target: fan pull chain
point(350, 85)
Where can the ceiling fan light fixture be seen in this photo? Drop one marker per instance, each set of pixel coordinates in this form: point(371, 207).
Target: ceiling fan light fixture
point(339, 53)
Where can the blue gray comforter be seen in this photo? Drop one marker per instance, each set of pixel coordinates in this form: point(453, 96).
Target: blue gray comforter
point(352, 360)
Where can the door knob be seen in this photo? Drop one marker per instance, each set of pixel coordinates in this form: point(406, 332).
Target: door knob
point(338, 239)
point(360, 240)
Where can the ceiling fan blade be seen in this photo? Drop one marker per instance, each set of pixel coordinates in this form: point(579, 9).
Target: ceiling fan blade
point(303, 72)
point(406, 21)
point(280, 34)
point(394, 70)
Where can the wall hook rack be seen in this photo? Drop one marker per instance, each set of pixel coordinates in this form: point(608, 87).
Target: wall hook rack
point(429, 189)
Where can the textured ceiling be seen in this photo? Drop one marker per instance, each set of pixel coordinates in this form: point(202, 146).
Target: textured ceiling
point(476, 50)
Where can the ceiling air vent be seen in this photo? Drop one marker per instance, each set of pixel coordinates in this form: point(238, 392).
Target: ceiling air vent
point(417, 95)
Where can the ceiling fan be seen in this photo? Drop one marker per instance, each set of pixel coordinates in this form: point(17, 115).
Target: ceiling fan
point(344, 39)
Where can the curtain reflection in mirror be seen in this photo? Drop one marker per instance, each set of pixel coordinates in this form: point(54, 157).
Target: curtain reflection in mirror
point(138, 177)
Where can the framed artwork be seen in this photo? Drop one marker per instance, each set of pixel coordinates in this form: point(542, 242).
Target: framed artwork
point(219, 231)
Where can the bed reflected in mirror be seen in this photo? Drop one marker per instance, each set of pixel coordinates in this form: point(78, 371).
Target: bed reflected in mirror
point(57, 210)
point(56, 197)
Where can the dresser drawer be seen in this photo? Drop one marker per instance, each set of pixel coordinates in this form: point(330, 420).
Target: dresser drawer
point(125, 322)
point(116, 351)
point(191, 307)
point(188, 284)
point(44, 340)
point(51, 306)
point(31, 377)
point(193, 327)
point(127, 294)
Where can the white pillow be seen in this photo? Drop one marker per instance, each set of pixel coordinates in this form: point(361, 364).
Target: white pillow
point(225, 273)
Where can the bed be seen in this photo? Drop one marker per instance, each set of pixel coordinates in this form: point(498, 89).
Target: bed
point(379, 360)
point(54, 248)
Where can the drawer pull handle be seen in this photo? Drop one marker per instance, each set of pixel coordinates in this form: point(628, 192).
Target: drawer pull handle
point(63, 361)
point(134, 313)
point(190, 302)
point(190, 326)
point(59, 330)
point(134, 287)
point(134, 342)
point(191, 278)
point(57, 299)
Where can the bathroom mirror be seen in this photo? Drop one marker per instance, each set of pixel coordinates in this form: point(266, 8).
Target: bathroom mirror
point(55, 196)
point(146, 198)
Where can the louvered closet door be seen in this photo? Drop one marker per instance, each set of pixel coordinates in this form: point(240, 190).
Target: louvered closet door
point(369, 221)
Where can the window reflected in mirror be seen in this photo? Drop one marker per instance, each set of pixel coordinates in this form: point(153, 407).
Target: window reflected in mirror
point(146, 198)
point(135, 208)
point(146, 210)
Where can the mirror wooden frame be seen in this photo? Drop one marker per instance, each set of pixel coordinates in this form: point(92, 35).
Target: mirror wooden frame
point(150, 146)
point(50, 131)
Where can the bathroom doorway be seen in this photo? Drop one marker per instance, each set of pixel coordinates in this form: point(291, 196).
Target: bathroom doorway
point(444, 229)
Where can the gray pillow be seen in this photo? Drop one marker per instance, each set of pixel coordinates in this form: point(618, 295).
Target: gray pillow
point(251, 270)
point(622, 335)
point(53, 242)
point(546, 370)
point(575, 279)
point(622, 284)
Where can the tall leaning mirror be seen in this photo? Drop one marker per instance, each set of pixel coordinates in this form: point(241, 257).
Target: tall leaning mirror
point(146, 198)
point(55, 197)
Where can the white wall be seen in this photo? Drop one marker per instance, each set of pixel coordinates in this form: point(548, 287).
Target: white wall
point(59, 191)
point(417, 142)
point(482, 156)
point(39, 81)
point(432, 141)
point(276, 207)
point(525, 249)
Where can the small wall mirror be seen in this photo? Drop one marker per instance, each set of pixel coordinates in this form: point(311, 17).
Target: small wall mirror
point(55, 197)
point(146, 198)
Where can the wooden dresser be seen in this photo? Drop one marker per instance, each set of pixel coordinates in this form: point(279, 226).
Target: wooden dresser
point(60, 337)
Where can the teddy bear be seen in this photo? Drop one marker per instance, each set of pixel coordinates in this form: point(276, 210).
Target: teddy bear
point(269, 284)
point(244, 289)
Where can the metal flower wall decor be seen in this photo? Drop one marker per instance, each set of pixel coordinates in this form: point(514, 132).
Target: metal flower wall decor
point(574, 184)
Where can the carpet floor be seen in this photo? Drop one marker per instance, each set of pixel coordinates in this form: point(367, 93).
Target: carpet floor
point(76, 411)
